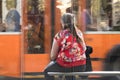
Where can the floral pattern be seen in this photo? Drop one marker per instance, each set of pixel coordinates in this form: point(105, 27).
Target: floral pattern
point(70, 50)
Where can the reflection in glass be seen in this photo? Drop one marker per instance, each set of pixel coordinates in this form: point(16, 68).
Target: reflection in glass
point(35, 34)
point(9, 16)
point(100, 15)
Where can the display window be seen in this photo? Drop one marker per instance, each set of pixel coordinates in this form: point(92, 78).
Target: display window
point(102, 15)
point(10, 16)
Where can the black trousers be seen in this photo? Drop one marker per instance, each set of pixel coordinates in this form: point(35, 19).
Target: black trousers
point(55, 67)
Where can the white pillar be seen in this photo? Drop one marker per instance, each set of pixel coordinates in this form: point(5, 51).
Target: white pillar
point(4, 10)
point(19, 8)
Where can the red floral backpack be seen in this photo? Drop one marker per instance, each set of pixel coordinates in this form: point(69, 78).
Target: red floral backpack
point(71, 52)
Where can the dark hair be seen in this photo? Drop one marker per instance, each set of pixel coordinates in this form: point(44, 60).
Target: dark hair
point(113, 56)
point(68, 21)
point(69, 10)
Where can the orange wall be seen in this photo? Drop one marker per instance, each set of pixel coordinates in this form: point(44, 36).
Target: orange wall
point(10, 51)
point(35, 62)
point(101, 43)
point(11, 55)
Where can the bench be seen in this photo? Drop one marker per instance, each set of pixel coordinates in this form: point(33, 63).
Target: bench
point(57, 75)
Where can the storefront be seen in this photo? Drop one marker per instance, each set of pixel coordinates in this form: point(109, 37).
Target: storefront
point(29, 50)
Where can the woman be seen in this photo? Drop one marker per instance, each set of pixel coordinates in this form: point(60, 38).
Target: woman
point(68, 49)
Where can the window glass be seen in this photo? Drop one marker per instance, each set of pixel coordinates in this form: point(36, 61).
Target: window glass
point(102, 15)
point(35, 29)
point(10, 16)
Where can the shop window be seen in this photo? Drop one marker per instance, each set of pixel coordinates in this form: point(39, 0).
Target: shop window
point(35, 33)
point(9, 16)
point(102, 15)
